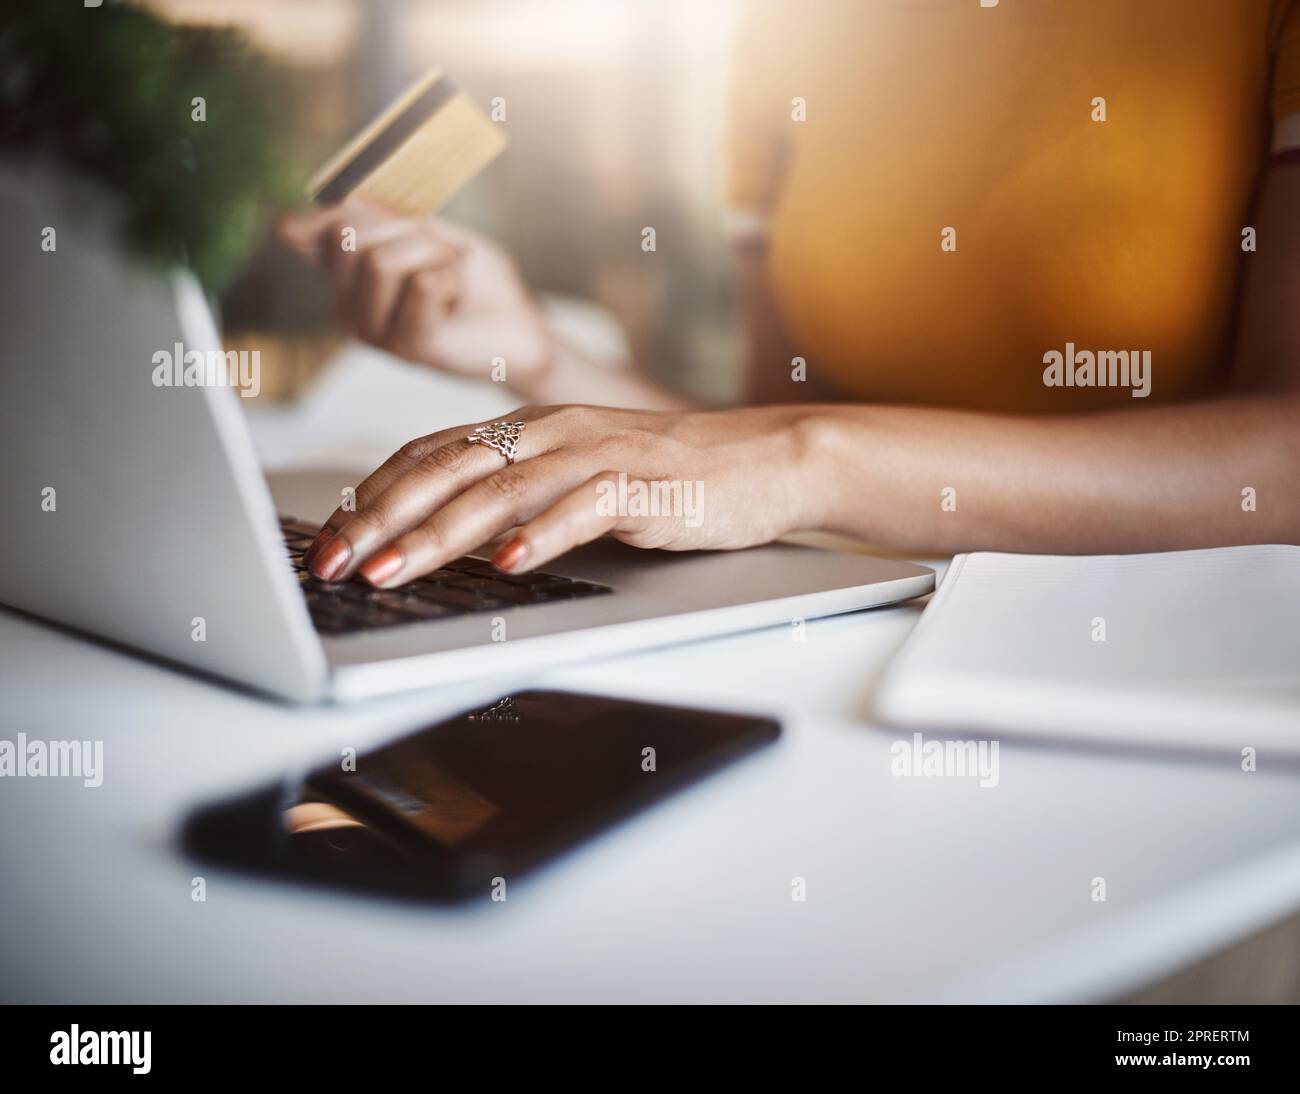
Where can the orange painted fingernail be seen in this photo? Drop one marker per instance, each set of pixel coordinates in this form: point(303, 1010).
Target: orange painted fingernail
point(382, 566)
point(511, 555)
point(333, 556)
point(313, 548)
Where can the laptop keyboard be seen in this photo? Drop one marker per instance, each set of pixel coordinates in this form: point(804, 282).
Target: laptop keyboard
point(461, 587)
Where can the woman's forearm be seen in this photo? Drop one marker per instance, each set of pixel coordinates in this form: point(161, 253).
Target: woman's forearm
point(1212, 473)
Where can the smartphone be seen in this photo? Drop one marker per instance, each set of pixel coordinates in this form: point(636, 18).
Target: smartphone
point(463, 807)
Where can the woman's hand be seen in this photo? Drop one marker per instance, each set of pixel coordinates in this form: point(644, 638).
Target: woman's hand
point(677, 481)
point(425, 290)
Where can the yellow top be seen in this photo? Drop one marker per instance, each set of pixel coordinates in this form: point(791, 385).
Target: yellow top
point(1094, 159)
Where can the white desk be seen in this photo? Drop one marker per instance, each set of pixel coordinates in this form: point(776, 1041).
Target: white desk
point(917, 889)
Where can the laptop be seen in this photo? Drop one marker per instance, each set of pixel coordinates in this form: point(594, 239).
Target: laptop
point(136, 512)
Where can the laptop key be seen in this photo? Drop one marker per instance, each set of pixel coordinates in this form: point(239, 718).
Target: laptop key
point(581, 588)
point(469, 565)
point(443, 575)
point(419, 608)
point(379, 618)
point(460, 598)
point(324, 614)
point(499, 590)
point(532, 580)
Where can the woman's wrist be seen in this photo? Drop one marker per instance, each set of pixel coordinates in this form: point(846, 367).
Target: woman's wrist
point(835, 468)
point(555, 377)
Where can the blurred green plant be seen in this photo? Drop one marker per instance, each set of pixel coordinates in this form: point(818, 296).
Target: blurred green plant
point(109, 93)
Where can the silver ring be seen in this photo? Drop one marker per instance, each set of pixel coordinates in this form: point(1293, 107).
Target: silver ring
point(502, 436)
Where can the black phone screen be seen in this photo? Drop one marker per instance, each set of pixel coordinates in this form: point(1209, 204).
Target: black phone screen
point(460, 806)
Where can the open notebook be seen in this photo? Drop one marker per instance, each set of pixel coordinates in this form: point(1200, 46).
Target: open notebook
point(1191, 648)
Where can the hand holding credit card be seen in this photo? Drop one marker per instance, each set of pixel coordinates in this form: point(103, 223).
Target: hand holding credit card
point(415, 155)
point(402, 278)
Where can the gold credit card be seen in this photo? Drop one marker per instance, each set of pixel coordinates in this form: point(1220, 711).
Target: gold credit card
point(424, 147)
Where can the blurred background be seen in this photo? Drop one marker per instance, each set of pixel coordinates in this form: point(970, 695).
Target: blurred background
point(614, 112)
